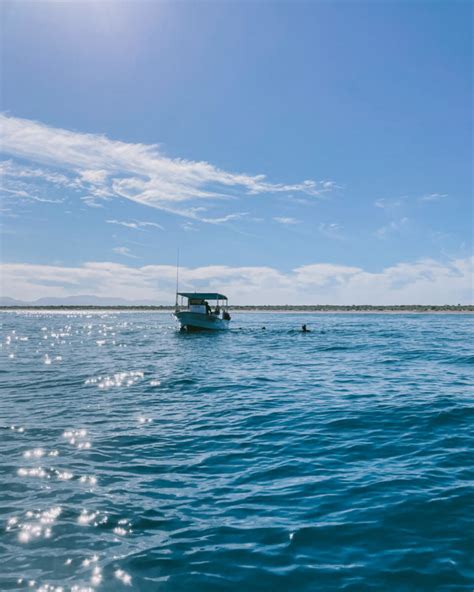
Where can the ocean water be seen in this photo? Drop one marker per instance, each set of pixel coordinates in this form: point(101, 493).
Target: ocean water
point(134, 457)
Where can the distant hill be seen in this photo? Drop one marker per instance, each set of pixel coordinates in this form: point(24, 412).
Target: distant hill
point(5, 301)
point(81, 300)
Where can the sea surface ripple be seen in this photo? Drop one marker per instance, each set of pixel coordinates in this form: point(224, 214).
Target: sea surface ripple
point(137, 457)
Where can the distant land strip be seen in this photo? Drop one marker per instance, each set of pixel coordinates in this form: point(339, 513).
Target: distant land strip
point(354, 308)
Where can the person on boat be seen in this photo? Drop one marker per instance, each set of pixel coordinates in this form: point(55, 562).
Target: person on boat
point(305, 329)
point(208, 308)
point(217, 310)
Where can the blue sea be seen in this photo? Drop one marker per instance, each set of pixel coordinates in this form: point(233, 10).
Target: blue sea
point(135, 457)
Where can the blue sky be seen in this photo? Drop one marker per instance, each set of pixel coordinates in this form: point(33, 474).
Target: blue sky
point(295, 151)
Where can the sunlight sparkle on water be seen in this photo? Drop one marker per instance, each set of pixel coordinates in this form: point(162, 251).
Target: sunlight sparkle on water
point(35, 453)
point(77, 438)
point(88, 479)
point(86, 518)
point(123, 576)
point(33, 472)
point(117, 380)
point(37, 524)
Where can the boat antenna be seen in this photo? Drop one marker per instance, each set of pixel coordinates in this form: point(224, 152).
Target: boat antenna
point(177, 277)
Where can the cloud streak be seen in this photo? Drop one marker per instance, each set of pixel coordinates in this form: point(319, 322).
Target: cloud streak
point(425, 281)
point(125, 251)
point(107, 168)
point(286, 220)
point(135, 224)
point(433, 197)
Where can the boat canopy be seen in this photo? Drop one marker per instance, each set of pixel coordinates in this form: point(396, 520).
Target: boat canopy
point(203, 295)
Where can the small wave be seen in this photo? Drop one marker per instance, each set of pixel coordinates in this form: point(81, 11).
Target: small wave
point(467, 360)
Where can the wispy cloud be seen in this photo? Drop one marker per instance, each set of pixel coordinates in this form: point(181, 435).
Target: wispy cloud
point(390, 204)
point(138, 172)
point(91, 202)
point(17, 192)
point(125, 251)
point(433, 197)
point(29, 183)
point(423, 281)
point(8, 168)
point(385, 203)
point(393, 227)
point(331, 230)
point(45, 199)
point(286, 220)
point(135, 224)
point(26, 195)
point(96, 177)
point(224, 219)
point(189, 227)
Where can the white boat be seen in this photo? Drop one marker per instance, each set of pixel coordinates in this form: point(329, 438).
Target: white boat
point(197, 314)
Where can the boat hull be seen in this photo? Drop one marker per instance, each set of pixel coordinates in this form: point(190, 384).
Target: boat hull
point(194, 321)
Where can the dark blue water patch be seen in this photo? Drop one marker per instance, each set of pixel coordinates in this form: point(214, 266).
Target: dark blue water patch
point(466, 359)
point(136, 457)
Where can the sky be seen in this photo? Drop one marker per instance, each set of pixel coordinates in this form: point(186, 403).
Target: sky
point(307, 152)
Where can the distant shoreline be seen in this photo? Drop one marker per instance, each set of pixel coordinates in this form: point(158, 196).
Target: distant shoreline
point(324, 309)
